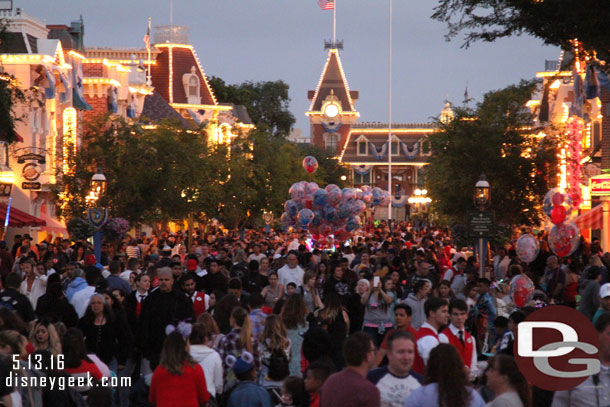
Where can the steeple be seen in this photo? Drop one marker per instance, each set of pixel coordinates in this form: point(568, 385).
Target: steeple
point(332, 111)
point(332, 79)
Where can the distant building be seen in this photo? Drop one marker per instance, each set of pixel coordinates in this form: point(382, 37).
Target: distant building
point(363, 147)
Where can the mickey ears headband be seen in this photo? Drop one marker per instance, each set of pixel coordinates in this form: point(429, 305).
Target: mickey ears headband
point(245, 356)
point(183, 328)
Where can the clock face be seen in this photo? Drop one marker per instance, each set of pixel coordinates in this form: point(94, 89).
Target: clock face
point(331, 110)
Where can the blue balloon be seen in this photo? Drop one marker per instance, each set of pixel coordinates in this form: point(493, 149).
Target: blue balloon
point(291, 207)
point(320, 198)
point(352, 223)
point(305, 217)
point(344, 211)
point(330, 214)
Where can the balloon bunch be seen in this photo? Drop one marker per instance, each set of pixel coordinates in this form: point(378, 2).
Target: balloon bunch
point(330, 210)
point(565, 235)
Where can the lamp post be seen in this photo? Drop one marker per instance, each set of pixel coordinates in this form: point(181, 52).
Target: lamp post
point(482, 200)
point(420, 200)
point(7, 178)
point(97, 216)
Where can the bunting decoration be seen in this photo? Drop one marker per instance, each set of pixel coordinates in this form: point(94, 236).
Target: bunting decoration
point(331, 127)
point(49, 90)
point(132, 106)
point(409, 153)
point(577, 105)
point(65, 86)
point(399, 202)
point(78, 92)
point(362, 169)
point(379, 154)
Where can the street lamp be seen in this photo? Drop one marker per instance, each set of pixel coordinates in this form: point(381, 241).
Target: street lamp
point(97, 216)
point(482, 200)
point(482, 193)
point(98, 183)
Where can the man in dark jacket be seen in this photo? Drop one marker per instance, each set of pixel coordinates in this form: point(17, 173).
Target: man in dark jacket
point(161, 308)
point(15, 300)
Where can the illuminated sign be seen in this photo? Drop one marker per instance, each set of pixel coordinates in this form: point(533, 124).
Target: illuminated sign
point(70, 130)
point(600, 185)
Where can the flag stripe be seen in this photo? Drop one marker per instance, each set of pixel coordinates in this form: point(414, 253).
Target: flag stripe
point(326, 4)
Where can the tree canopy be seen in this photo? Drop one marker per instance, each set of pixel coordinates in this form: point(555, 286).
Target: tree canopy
point(267, 103)
point(496, 139)
point(556, 22)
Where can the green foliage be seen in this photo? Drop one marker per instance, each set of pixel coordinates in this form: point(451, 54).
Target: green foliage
point(267, 103)
point(158, 175)
point(11, 95)
point(494, 139)
point(79, 229)
point(556, 22)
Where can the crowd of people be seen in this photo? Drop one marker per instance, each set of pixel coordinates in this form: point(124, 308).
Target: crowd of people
point(392, 317)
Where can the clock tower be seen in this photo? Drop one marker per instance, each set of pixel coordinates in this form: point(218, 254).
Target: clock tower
point(332, 110)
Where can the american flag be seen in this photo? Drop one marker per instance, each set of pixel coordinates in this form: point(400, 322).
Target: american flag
point(326, 4)
point(147, 38)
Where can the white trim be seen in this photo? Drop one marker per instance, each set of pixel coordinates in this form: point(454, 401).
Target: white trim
point(315, 96)
point(362, 139)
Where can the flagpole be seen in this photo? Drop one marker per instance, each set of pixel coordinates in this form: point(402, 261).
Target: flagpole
point(148, 80)
point(390, 119)
point(334, 23)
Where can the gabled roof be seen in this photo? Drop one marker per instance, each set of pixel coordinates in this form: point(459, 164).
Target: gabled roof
point(332, 78)
point(174, 61)
point(156, 109)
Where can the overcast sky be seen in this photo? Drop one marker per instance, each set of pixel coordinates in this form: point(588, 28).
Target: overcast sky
point(241, 40)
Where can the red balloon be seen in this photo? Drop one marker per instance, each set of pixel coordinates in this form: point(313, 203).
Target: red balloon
point(558, 214)
point(558, 198)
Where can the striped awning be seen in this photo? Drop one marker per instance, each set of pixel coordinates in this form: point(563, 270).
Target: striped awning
point(19, 218)
point(592, 219)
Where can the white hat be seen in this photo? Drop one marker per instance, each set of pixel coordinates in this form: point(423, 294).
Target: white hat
point(604, 291)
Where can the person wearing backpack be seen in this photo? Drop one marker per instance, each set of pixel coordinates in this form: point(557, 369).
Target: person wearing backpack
point(275, 351)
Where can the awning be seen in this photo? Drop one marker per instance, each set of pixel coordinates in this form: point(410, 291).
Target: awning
point(592, 219)
point(52, 225)
point(19, 218)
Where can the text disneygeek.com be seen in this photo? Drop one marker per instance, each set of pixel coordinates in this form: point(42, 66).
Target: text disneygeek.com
point(63, 382)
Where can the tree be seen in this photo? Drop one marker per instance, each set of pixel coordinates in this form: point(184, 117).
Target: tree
point(556, 22)
point(11, 95)
point(155, 175)
point(496, 139)
point(267, 103)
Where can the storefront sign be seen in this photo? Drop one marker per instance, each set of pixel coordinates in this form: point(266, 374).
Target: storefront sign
point(480, 224)
point(600, 185)
point(30, 185)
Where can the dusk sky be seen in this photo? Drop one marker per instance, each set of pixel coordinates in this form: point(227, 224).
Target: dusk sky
point(256, 40)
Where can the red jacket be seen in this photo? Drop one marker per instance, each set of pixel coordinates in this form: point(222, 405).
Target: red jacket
point(186, 390)
point(198, 303)
point(466, 349)
point(418, 364)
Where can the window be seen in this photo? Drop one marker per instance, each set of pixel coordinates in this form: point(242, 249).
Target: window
point(331, 143)
point(425, 147)
point(362, 179)
point(191, 84)
point(193, 87)
point(394, 147)
point(362, 145)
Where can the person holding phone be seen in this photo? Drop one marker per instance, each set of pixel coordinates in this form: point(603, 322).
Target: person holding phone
point(377, 311)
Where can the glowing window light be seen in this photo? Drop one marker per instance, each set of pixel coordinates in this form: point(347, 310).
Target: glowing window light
point(69, 132)
point(171, 74)
point(586, 140)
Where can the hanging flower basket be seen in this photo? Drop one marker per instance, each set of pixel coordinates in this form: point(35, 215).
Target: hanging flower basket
point(79, 229)
point(115, 229)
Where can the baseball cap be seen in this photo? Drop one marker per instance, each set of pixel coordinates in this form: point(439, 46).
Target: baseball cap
point(191, 265)
point(604, 291)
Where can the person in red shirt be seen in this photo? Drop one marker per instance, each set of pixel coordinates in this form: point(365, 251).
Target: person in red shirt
point(402, 317)
point(456, 335)
point(199, 299)
point(426, 339)
point(315, 376)
point(178, 380)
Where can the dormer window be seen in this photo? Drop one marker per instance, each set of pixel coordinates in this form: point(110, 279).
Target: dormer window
point(362, 146)
point(192, 86)
point(395, 145)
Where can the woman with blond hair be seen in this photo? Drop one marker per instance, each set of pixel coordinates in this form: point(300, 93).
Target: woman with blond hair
point(275, 352)
point(43, 336)
point(239, 339)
